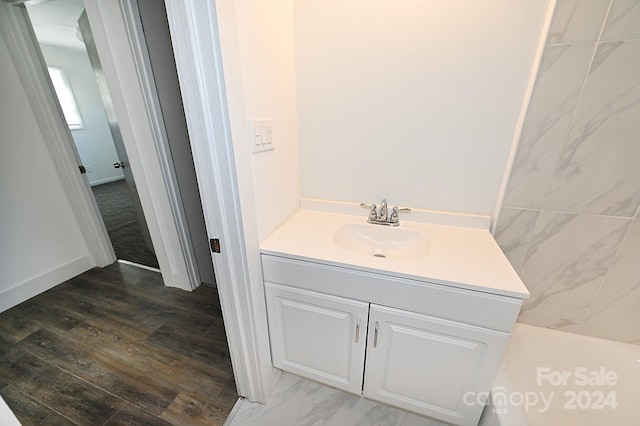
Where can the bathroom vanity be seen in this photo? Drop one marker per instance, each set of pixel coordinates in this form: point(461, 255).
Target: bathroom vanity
point(416, 317)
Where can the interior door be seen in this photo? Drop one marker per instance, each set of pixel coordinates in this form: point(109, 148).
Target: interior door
point(87, 37)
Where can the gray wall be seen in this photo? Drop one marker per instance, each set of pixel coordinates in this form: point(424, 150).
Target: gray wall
point(570, 220)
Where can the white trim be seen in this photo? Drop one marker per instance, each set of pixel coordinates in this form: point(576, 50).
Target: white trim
point(117, 60)
point(242, 405)
point(106, 180)
point(20, 38)
point(135, 33)
point(523, 115)
point(226, 195)
point(43, 282)
point(139, 265)
point(237, 408)
point(437, 217)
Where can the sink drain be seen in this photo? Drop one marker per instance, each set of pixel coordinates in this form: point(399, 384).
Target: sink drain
point(379, 255)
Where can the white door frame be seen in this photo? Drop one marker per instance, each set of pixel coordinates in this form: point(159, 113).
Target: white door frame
point(224, 177)
point(147, 157)
point(133, 23)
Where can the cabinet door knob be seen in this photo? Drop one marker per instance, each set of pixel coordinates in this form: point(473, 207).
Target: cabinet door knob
point(358, 330)
point(375, 335)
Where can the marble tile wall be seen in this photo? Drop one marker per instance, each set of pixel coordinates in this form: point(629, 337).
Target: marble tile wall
point(570, 221)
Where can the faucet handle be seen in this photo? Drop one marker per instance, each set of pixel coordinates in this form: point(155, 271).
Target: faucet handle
point(401, 210)
point(394, 218)
point(372, 209)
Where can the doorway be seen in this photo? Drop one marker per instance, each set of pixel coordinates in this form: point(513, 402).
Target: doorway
point(251, 359)
point(66, 42)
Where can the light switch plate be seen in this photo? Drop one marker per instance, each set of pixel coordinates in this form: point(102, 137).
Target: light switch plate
point(260, 134)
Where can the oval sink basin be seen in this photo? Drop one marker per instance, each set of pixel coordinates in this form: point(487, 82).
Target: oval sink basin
point(382, 241)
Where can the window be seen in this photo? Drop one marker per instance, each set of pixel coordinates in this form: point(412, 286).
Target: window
point(66, 98)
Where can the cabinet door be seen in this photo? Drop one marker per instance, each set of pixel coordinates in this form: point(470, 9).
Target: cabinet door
point(318, 336)
point(430, 366)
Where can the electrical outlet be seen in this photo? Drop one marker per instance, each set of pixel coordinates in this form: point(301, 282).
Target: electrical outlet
point(260, 134)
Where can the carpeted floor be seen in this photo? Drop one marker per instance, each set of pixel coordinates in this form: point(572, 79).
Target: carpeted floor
point(116, 207)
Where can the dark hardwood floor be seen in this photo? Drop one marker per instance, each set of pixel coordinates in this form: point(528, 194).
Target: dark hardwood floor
point(113, 346)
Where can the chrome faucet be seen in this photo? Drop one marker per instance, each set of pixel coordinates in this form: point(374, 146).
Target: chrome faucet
point(382, 213)
point(381, 216)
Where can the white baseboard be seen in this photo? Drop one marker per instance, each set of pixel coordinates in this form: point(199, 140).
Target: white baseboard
point(105, 180)
point(139, 265)
point(41, 283)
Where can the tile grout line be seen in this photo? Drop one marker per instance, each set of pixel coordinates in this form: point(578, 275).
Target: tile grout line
point(605, 277)
point(582, 43)
point(606, 216)
point(579, 100)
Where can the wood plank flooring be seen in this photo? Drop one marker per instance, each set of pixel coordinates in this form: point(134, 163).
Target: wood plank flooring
point(113, 346)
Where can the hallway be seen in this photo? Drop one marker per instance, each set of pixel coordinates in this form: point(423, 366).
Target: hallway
point(114, 346)
point(119, 216)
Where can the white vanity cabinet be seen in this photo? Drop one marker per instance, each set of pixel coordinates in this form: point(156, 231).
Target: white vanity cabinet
point(318, 336)
point(430, 349)
point(428, 365)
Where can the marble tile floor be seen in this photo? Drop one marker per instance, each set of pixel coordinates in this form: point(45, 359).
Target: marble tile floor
point(299, 402)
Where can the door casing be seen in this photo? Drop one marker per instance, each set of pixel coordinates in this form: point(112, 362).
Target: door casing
point(226, 189)
point(148, 157)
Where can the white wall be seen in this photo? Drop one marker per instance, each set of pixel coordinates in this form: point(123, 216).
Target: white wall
point(40, 240)
point(94, 142)
point(268, 88)
point(413, 101)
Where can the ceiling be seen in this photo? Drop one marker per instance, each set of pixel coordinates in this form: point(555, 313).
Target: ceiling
point(56, 23)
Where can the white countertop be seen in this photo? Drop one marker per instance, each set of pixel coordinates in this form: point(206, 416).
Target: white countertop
point(459, 257)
